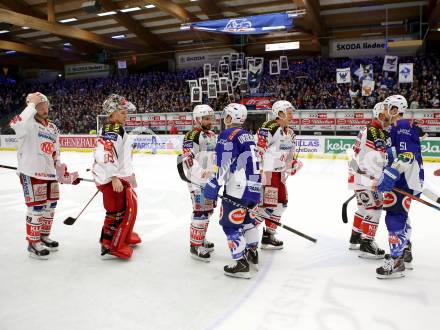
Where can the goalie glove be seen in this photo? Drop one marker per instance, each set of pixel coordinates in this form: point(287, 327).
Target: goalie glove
point(64, 177)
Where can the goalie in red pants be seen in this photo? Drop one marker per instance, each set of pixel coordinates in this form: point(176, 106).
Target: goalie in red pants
point(114, 177)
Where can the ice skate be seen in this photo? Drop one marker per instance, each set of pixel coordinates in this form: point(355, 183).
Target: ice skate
point(393, 268)
point(50, 244)
point(270, 242)
point(38, 251)
point(240, 269)
point(370, 250)
point(200, 253)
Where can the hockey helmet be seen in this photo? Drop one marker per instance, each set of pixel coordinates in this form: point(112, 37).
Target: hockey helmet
point(116, 102)
point(237, 112)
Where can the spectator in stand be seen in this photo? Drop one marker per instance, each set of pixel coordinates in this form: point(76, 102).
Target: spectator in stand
point(309, 84)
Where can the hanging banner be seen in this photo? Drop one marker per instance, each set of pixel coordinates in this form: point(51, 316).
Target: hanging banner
point(406, 72)
point(343, 76)
point(390, 63)
point(259, 24)
point(255, 73)
point(366, 72)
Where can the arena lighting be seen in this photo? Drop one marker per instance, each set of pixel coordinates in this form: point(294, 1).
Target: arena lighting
point(107, 13)
point(3, 31)
point(9, 52)
point(127, 10)
point(67, 44)
point(282, 46)
point(150, 6)
point(68, 20)
point(25, 27)
point(296, 13)
point(391, 23)
point(119, 36)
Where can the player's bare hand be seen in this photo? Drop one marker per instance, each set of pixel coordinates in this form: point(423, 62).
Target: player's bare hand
point(437, 172)
point(34, 98)
point(117, 185)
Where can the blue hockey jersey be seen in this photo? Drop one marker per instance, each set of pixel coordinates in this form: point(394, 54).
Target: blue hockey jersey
point(237, 165)
point(406, 152)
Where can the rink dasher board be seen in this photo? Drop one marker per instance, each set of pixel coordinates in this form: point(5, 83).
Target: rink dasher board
point(309, 147)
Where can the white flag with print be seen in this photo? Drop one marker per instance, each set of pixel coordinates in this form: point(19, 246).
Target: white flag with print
point(343, 76)
point(406, 72)
point(390, 63)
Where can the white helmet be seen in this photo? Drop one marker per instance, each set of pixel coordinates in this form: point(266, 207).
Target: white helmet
point(396, 101)
point(43, 99)
point(238, 113)
point(202, 110)
point(281, 106)
point(378, 109)
point(116, 102)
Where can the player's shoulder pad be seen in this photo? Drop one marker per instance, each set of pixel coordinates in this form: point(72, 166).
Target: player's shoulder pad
point(270, 126)
point(192, 135)
point(377, 136)
point(111, 131)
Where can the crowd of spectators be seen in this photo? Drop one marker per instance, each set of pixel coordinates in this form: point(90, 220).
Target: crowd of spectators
point(309, 84)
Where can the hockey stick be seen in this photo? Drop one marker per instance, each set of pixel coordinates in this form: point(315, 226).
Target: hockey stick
point(344, 209)
point(416, 198)
point(14, 168)
point(70, 221)
point(184, 178)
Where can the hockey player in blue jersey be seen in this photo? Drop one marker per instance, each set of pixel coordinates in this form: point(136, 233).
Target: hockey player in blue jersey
point(404, 171)
point(238, 172)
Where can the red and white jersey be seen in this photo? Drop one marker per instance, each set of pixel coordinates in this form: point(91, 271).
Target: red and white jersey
point(38, 145)
point(198, 155)
point(275, 146)
point(368, 156)
point(113, 155)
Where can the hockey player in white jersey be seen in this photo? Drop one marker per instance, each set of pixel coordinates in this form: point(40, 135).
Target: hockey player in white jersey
point(276, 148)
point(198, 157)
point(114, 177)
point(40, 170)
point(367, 159)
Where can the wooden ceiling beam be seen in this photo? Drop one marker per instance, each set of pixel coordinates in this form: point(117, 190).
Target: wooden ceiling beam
point(15, 18)
point(26, 49)
point(134, 26)
point(174, 10)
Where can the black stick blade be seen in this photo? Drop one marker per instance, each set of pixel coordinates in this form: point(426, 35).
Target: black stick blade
point(69, 221)
point(344, 209)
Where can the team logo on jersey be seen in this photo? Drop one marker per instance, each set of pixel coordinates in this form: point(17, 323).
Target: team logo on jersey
point(406, 202)
point(389, 199)
point(364, 197)
point(237, 216)
point(47, 147)
point(393, 239)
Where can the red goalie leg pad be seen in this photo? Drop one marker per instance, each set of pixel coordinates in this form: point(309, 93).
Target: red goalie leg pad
point(132, 237)
point(119, 246)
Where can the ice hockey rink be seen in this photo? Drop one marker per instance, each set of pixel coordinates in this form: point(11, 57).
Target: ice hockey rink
point(303, 286)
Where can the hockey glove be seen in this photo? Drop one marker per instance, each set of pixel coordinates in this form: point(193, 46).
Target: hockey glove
point(388, 179)
point(211, 189)
point(64, 177)
point(293, 167)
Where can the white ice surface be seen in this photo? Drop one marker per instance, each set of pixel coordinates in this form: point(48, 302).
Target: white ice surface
point(304, 286)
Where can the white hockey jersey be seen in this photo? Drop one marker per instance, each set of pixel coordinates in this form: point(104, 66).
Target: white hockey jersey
point(199, 156)
point(275, 146)
point(367, 158)
point(38, 145)
point(113, 155)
